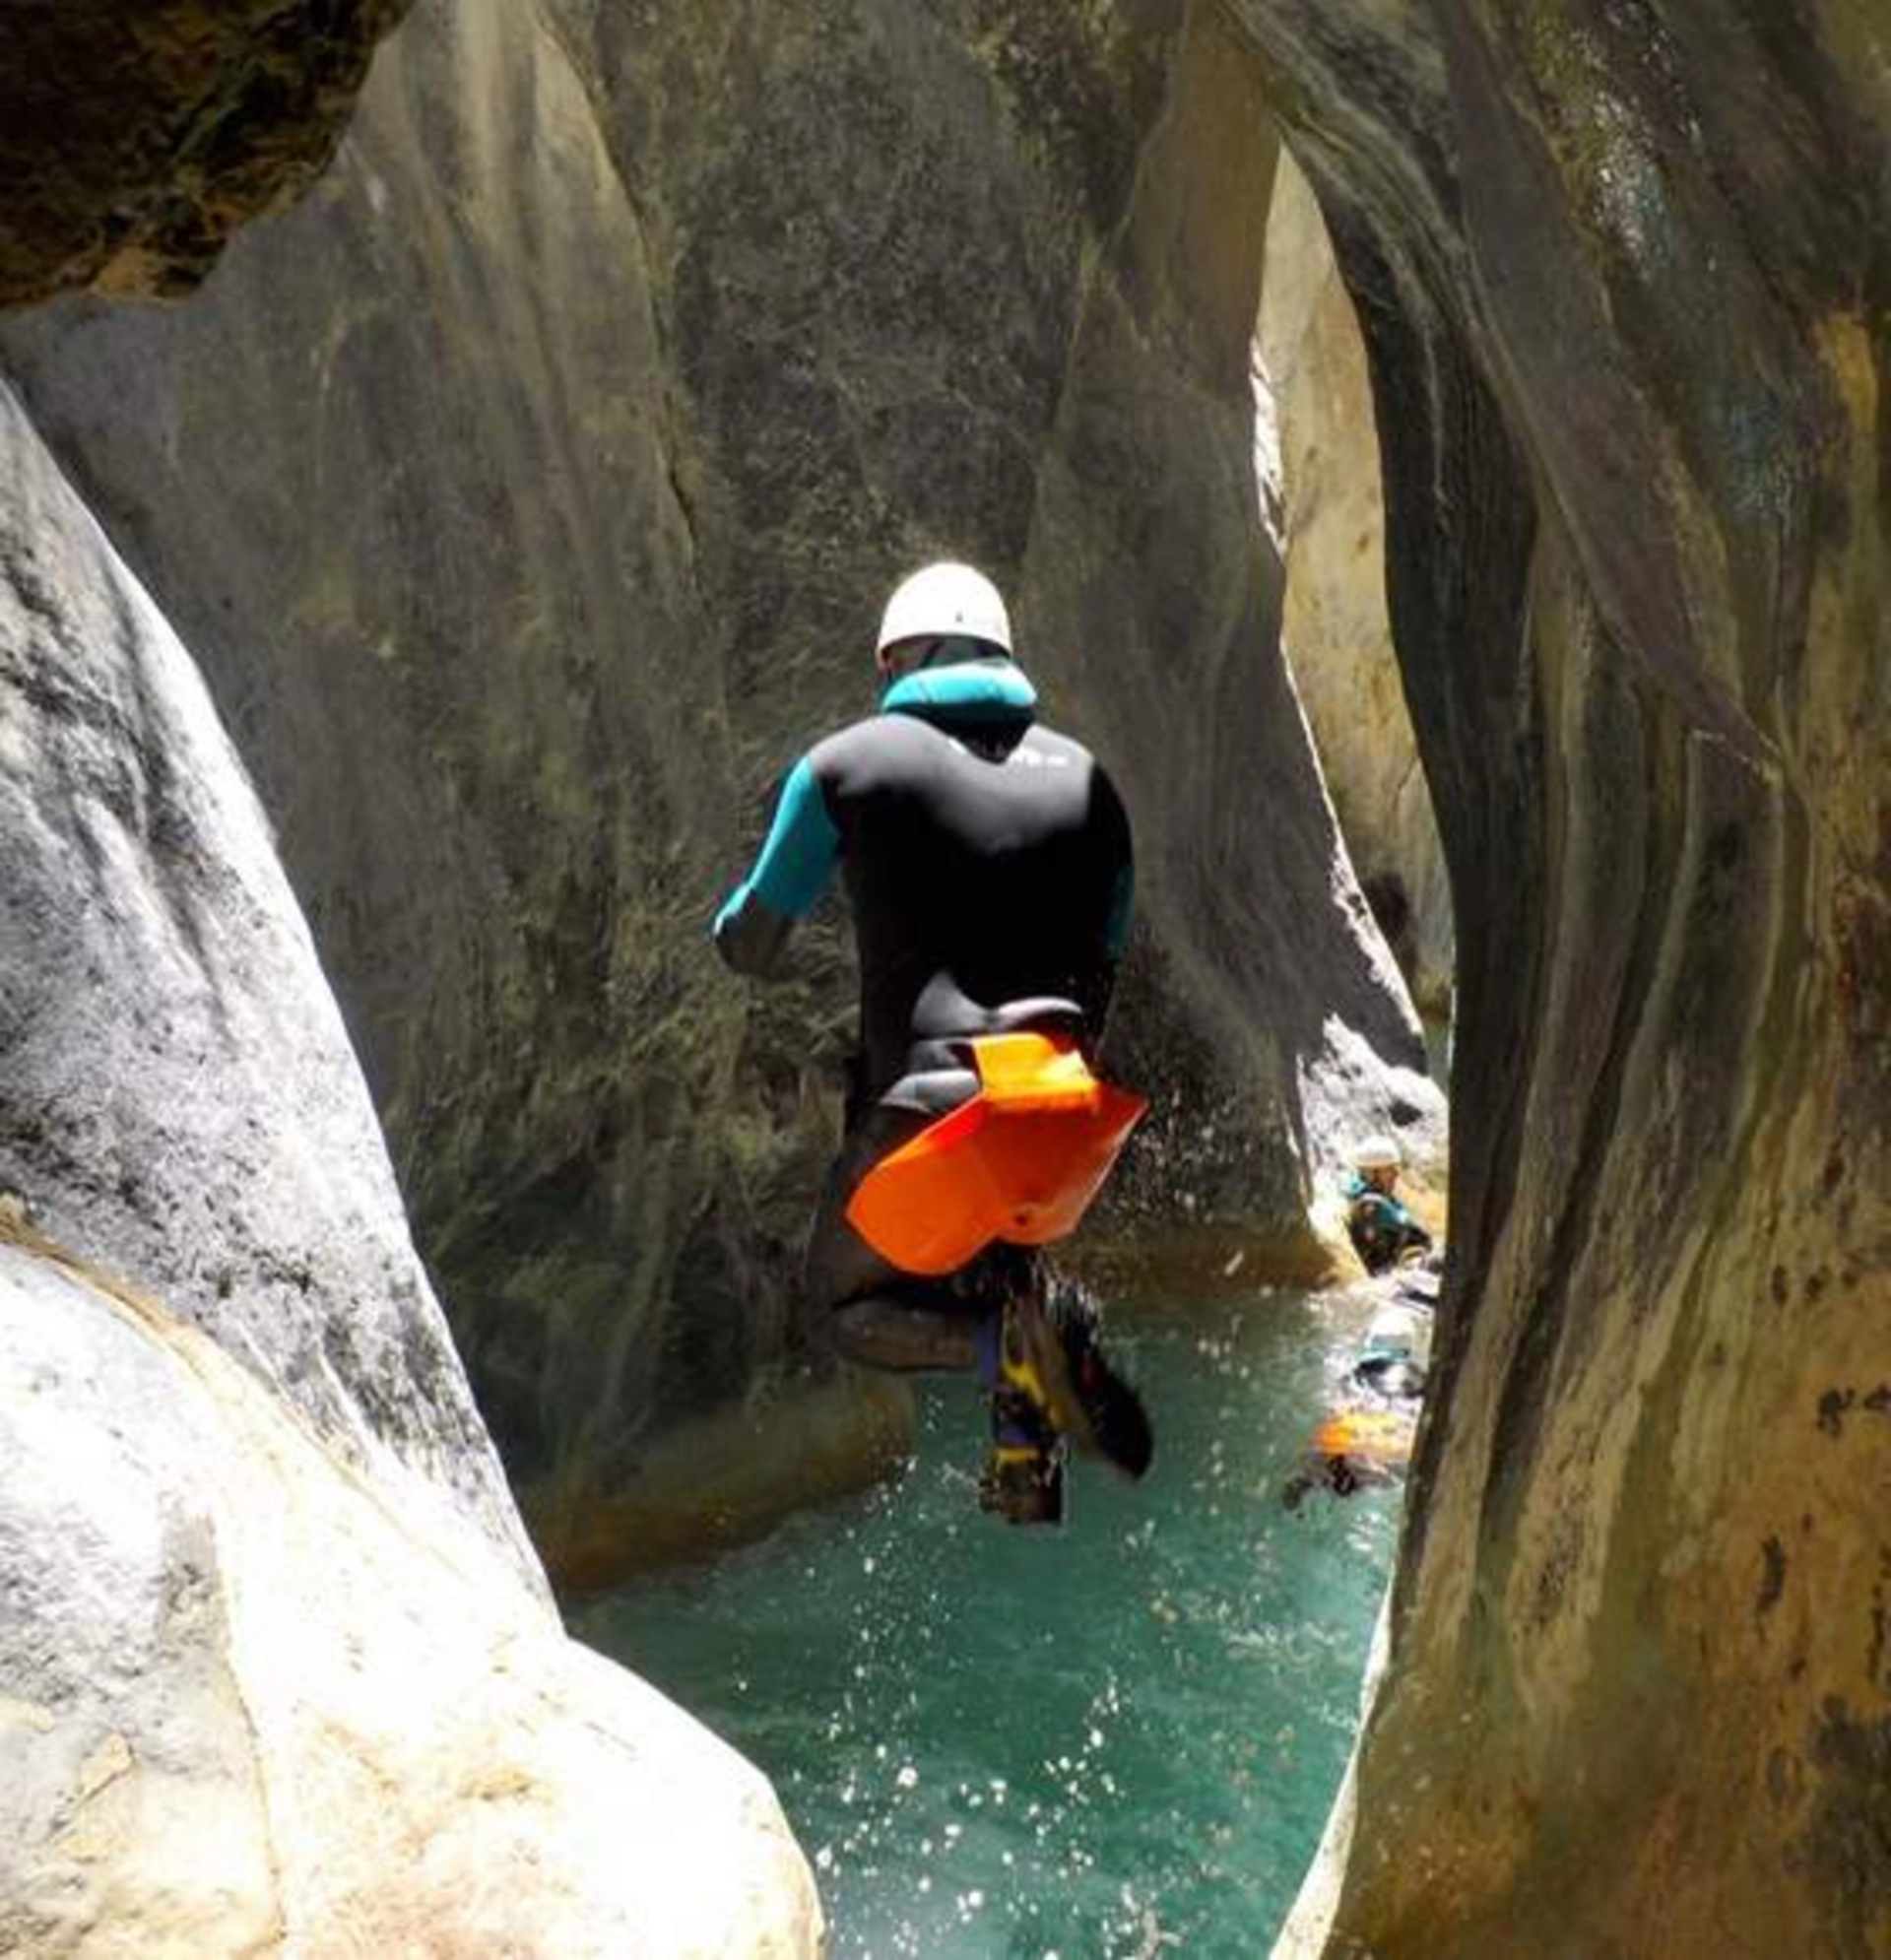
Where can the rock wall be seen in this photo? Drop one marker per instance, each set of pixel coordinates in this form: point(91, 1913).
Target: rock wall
point(1623, 286)
point(1319, 465)
point(264, 1581)
point(133, 144)
point(180, 1103)
point(530, 496)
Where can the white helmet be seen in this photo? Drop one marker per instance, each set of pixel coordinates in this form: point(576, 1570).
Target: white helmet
point(1378, 1153)
point(946, 601)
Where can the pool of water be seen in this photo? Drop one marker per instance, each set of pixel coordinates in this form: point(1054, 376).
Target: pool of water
point(1119, 1737)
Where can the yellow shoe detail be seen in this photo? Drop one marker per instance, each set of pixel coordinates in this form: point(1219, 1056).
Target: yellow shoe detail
point(1017, 1369)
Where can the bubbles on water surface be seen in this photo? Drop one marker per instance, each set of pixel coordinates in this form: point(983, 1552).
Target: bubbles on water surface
point(1108, 1739)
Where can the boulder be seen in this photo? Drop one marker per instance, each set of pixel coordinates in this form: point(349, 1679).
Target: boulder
point(279, 1666)
point(253, 1702)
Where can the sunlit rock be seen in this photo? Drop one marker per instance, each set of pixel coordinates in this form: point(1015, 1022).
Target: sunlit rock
point(1316, 402)
point(132, 141)
point(249, 1700)
point(277, 1666)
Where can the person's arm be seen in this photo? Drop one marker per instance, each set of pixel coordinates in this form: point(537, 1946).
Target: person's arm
point(1416, 1240)
point(1099, 984)
point(751, 930)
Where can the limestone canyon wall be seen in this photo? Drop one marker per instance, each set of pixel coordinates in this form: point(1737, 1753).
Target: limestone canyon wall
point(278, 1667)
point(1318, 455)
point(1622, 276)
point(529, 495)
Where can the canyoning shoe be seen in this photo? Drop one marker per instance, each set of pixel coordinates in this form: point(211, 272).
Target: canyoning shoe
point(1051, 1351)
point(1023, 1486)
point(1024, 1478)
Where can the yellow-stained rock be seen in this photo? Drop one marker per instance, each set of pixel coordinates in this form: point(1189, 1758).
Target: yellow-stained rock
point(1315, 412)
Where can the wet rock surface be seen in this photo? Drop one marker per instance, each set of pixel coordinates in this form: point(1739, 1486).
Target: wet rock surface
point(603, 390)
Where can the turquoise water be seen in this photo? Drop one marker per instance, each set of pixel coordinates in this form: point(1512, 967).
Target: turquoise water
point(1120, 1737)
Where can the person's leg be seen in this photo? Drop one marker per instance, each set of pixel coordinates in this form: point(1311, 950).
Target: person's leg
point(883, 1318)
point(1032, 1344)
point(882, 1331)
point(1052, 1348)
point(876, 1315)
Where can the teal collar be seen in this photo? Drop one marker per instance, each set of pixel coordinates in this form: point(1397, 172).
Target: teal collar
point(972, 690)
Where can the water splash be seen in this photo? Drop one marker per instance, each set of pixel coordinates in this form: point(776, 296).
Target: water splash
point(1110, 1739)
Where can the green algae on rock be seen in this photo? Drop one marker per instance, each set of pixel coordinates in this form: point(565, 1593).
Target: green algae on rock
point(133, 142)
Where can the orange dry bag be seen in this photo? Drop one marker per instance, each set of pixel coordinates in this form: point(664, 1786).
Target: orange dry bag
point(1020, 1161)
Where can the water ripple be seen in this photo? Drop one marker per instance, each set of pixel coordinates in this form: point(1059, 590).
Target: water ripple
point(1112, 1739)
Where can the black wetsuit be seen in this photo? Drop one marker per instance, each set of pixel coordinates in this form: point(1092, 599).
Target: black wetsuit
point(988, 862)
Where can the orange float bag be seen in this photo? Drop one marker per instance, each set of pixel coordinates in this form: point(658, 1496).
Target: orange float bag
point(1378, 1438)
point(1019, 1161)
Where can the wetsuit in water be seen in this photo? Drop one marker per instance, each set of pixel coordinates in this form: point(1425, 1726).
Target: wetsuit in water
point(988, 862)
point(1382, 1231)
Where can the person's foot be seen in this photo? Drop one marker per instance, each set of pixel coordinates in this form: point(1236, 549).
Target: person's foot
point(1051, 1352)
point(1023, 1479)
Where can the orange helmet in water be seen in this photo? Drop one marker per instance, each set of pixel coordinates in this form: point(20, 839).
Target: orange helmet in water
point(1019, 1161)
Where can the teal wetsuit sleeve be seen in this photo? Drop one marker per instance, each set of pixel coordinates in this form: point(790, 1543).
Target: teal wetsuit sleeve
point(797, 860)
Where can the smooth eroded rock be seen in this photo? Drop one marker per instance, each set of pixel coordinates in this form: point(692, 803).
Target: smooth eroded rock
point(1622, 291)
point(530, 495)
point(1314, 412)
point(278, 1667)
point(249, 1707)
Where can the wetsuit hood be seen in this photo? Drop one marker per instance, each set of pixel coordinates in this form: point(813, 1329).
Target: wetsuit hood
point(969, 690)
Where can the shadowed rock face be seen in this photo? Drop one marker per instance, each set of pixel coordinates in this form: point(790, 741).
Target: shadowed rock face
point(180, 1103)
point(132, 141)
point(531, 495)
